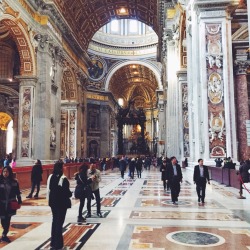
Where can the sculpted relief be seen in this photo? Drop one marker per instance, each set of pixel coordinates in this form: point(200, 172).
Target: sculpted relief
point(215, 88)
point(216, 127)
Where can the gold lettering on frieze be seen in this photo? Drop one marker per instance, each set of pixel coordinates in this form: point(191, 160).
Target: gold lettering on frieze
point(123, 52)
point(97, 97)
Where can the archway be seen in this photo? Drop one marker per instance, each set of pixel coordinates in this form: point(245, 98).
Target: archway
point(18, 34)
point(147, 64)
point(6, 134)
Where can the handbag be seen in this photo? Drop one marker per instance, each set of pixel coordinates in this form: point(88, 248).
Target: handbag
point(14, 205)
point(79, 191)
point(82, 191)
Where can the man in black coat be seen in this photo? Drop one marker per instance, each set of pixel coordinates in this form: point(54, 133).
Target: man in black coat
point(174, 177)
point(201, 177)
point(36, 178)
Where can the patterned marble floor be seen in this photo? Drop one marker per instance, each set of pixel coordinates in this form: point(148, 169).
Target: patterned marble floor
point(138, 214)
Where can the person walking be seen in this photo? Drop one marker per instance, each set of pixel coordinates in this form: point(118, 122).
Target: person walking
point(139, 167)
point(9, 191)
point(132, 168)
point(174, 177)
point(36, 178)
point(83, 180)
point(163, 170)
point(122, 165)
point(95, 175)
point(59, 200)
point(201, 177)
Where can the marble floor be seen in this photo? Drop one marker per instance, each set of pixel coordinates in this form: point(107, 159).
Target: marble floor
point(138, 214)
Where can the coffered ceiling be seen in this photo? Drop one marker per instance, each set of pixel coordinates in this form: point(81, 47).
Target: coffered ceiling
point(135, 82)
point(85, 17)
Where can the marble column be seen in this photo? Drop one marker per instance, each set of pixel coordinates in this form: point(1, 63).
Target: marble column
point(173, 147)
point(26, 145)
point(242, 108)
point(105, 131)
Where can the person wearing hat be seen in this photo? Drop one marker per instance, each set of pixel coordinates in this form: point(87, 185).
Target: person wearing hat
point(174, 177)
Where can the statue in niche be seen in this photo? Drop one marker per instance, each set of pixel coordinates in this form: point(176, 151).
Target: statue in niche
point(52, 134)
point(215, 91)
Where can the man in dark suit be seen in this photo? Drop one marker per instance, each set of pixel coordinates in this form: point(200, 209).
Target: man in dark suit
point(201, 177)
point(174, 177)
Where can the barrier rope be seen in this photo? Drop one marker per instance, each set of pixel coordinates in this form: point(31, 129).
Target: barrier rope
point(243, 184)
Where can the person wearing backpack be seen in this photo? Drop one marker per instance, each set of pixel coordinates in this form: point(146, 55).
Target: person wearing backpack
point(59, 200)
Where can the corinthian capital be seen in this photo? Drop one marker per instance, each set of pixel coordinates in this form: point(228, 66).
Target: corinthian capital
point(241, 67)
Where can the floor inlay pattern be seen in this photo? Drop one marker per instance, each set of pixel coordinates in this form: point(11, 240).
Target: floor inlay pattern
point(116, 192)
point(176, 215)
point(184, 238)
point(18, 229)
point(75, 236)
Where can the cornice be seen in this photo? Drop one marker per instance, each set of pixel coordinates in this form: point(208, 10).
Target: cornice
point(205, 5)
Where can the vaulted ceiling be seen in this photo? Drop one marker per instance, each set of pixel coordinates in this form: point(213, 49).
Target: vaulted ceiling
point(135, 82)
point(85, 17)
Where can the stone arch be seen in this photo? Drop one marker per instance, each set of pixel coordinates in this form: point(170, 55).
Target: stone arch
point(25, 50)
point(69, 85)
point(146, 64)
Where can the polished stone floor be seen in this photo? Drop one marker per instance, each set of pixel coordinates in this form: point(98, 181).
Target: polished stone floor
point(138, 214)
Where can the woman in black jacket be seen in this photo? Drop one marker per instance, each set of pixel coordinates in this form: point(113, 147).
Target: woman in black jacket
point(9, 191)
point(82, 180)
point(59, 200)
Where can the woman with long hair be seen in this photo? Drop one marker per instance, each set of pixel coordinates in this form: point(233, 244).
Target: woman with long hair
point(83, 180)
point(59, 200)
point(9, 192)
